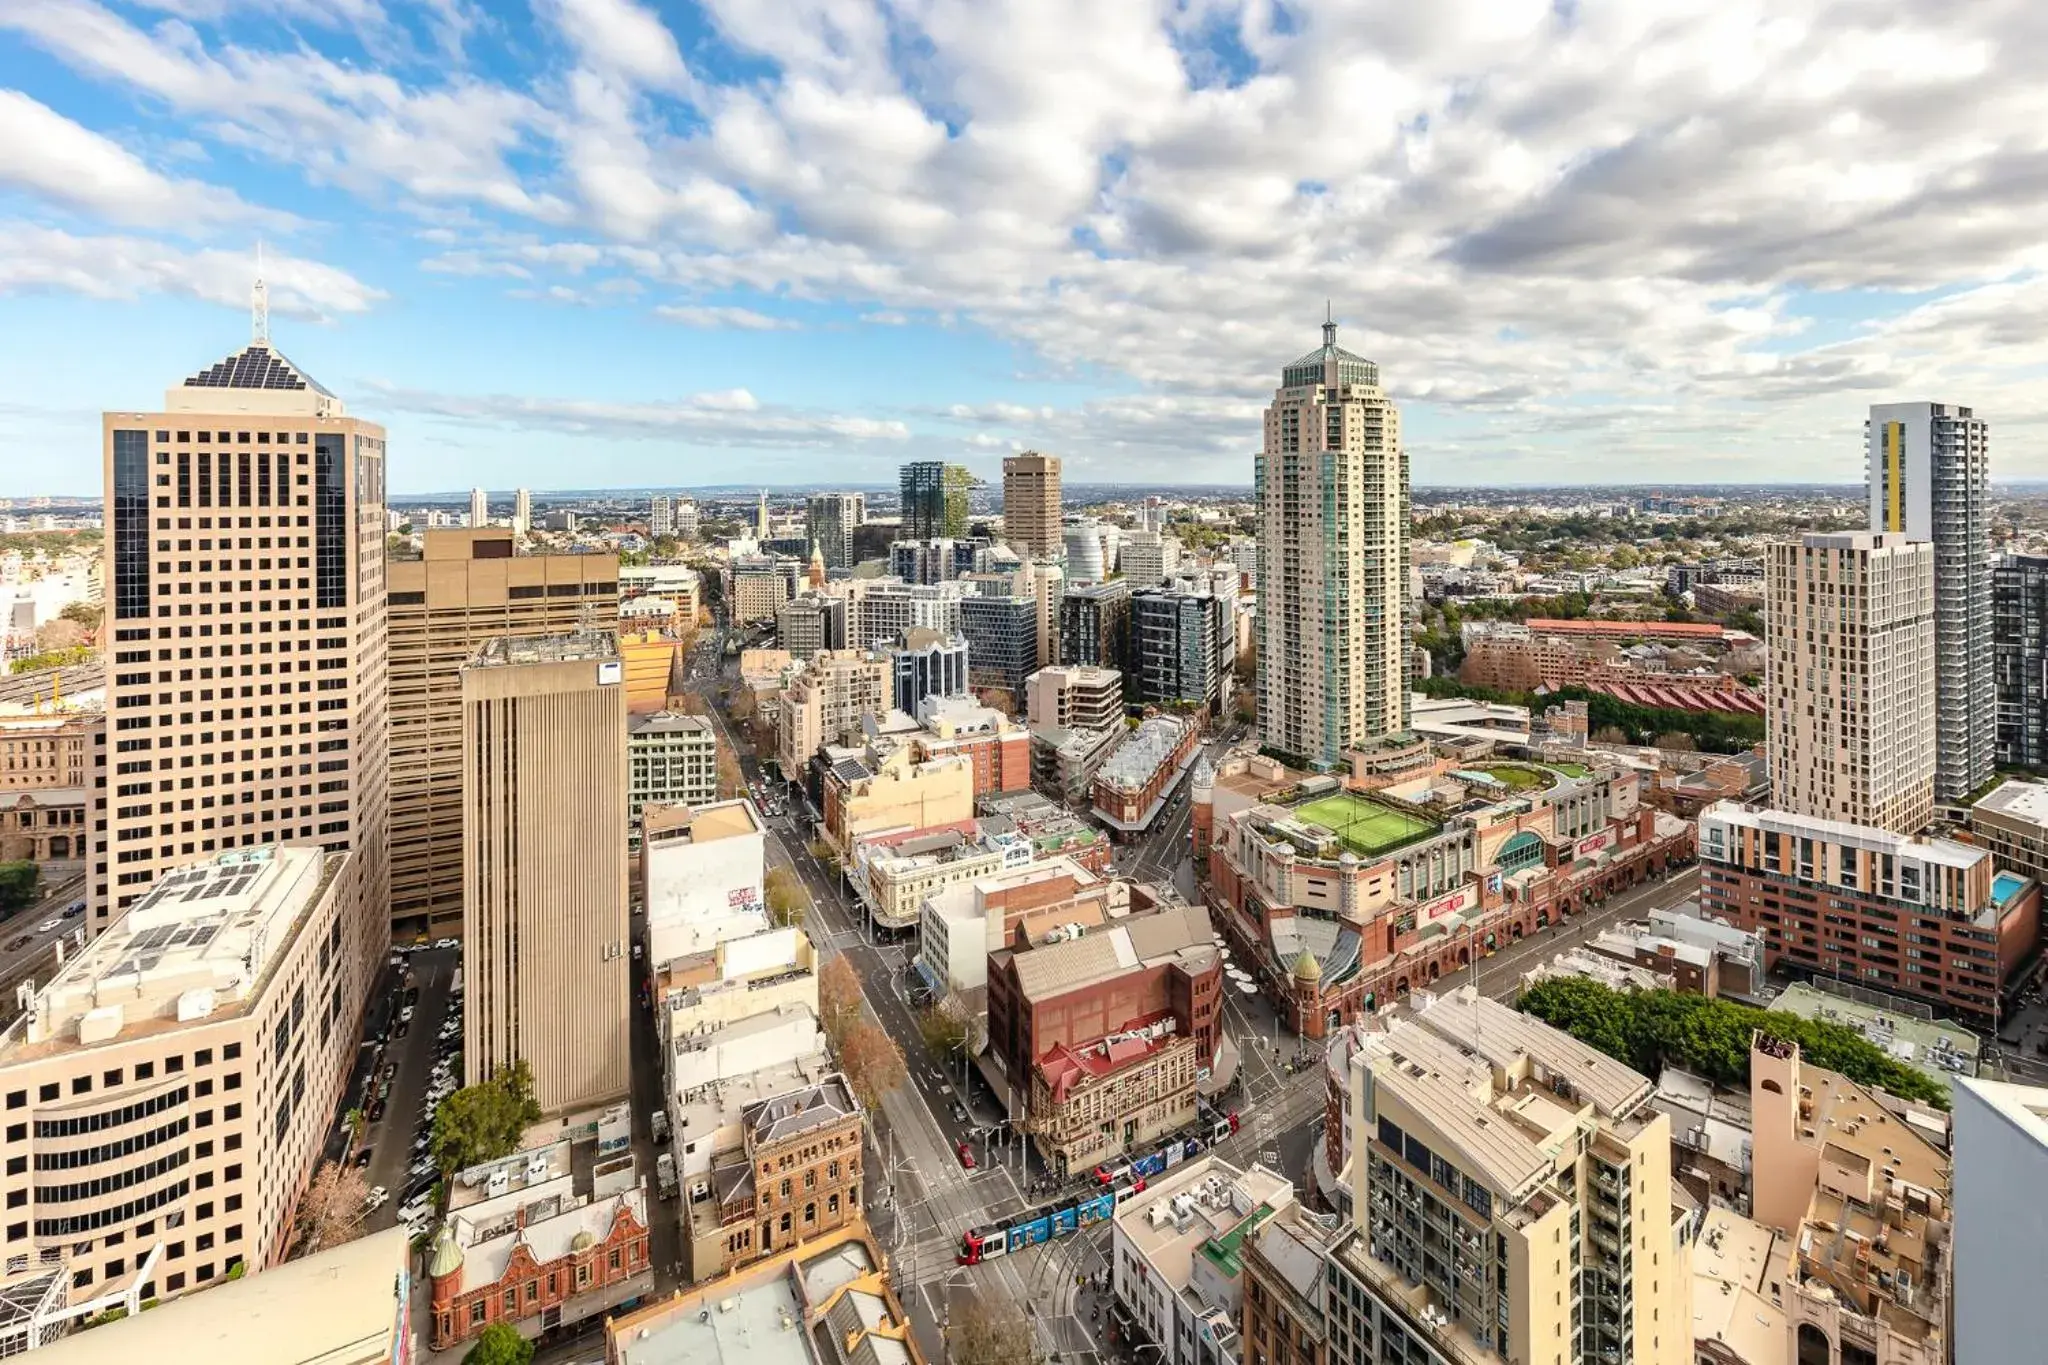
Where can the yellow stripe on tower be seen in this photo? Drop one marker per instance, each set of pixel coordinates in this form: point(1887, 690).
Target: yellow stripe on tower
point(1894, 456)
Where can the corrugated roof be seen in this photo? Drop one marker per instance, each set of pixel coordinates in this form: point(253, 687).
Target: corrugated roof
point(1501, 1034)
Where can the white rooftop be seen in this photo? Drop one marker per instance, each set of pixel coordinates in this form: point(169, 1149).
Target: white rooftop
point(1140, 756)
point(200, 941)
point(2021, 800)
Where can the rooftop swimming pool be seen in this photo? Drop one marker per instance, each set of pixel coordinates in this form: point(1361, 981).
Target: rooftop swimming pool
point(2005, 886)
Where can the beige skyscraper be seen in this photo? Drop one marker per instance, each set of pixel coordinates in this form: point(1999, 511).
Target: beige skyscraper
point(479, 509)
point(1850, 678)
point(466, 589)
point(522, 512)
point(246, 678)
point(1333, 559)
point(544, 928)
point(1031, 504)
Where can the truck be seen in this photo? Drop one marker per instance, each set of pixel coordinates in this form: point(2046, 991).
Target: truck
point(665, 1175)
point(658, 1122)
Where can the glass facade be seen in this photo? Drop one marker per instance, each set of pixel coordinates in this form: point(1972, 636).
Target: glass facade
point(131, 525)
point(330, 522)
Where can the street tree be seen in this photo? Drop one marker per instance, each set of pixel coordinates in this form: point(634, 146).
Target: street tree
point(788, 902)
point(839, 999)
point(992, 1332)
point(18, 884)
point(873, 1063)
point(732, 783)
point(332, 1209)
point(499, 1344)
point(944, 1028)
point(485, 1121)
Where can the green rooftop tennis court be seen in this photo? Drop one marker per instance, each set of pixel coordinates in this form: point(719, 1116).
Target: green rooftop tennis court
point(1365, 826)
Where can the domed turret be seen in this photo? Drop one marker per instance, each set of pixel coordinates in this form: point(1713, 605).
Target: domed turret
point(444, 1266)
point(1306, 969)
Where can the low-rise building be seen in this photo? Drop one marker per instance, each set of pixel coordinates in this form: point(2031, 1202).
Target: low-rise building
point(1074, 697)
point(1134, 782)
point(46, 748)
point(787, 1170)
point(870, 788)
point(1286, 1284)
point(1065, 763)
point(894, 872)
point(1142, 982)
point(702, 876)
point(543, 1239)
point(671, 760)
point(1701, 956)
point(963, 921)
point(1738, 1313)
point(1177, 1257)
point(1861, 1192)
point(348, 1305)
point(1900, 913)
point(2012, 822)
point(169, 1091)
point(43, 824)
point(998, 747)
point(826, 1301)
point(1053, 830)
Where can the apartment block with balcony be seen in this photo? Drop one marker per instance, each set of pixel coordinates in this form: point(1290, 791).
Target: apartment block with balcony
point(1929, 918)
point(2019, 661)
point(1286, 1289)
point(1095, 624)
point(1512, 1198)
point(671, 760)
point(170, 1090)
point(1178, 1257)
point(827, 701)
point(2011, 820)
point(1850, 678)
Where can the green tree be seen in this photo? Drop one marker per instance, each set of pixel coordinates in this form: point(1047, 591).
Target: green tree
point(788, 902)
point(485, 1121)
point(991, 1331)
point(86, 614)
point(944, 1028)
point(18, 884)
point(499, 1344)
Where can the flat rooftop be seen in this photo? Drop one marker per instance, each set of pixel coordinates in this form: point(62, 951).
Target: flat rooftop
point(1936, 1047)
point(339, 1307)
point(700, 824)
point(199, 944)
point(1199, 1203)
point(2027, 801)
point(547, 649)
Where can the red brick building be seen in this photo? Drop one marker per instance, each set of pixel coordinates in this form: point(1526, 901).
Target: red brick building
point(528, 1259)
point(1922, 917)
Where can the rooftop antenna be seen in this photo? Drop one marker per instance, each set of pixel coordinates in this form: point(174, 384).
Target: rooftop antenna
point(259, 304)
point(1329, 325)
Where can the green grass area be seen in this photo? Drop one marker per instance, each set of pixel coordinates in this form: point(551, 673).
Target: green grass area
point(1366, 827)
point(1516, 777)
point(1571, 769)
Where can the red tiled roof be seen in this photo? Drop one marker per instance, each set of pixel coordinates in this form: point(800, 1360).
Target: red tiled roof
point(1648, 630)
point(1680, 696)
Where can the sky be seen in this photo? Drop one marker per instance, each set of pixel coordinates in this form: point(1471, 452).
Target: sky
point(583, 243)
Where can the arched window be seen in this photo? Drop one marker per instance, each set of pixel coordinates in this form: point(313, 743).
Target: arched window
point(1523, 850)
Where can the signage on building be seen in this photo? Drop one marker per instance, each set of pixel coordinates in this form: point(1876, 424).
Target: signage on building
point(1446, 905)
point(1595, 843)
point(610, 672)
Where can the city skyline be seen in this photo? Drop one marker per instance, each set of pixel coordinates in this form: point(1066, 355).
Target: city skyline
point(671, 242)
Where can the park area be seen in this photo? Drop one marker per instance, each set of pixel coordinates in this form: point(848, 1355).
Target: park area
point(1366, 827)
point(1517, 777)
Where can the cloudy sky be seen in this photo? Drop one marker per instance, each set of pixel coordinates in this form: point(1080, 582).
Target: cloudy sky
point(585, 242)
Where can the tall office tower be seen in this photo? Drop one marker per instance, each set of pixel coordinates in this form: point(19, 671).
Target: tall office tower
point(1031, 504)
point(1930, 478)
point(245, 570)
point(2001, 1151)
point(1149, 559)
point(661, 516)
point(1047, 583)
point(544, 926)
point(761, 518)
point(934, 496)
point(925, 561)
point(685, 517)
point(1333, 570)
point(1850, 678)
point(1095, 624)
point(1183, 647)
point(2019, 660)
point(830, 520)
point(522, 513)
point(1512, 1200)
point(1082, 547)
point(479, 509)
point(1002, 641)
point(465, 590)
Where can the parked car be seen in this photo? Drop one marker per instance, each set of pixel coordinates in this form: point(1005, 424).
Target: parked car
point(966, 1155)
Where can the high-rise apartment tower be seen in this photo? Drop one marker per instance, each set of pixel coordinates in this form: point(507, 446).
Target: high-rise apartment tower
point(1930, 479)
point(934, 497)
point(831, 519)
point(1031, 504)
point(2019, 659)
point(1333, 559)
point(544, 866)
point(245, 577)
point(479, 508)
point(1850, 678)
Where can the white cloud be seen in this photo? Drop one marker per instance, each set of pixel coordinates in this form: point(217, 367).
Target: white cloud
point(621, 37)
point(725, 418)
point(123, 267)
point(713, 317)
point(56, 160)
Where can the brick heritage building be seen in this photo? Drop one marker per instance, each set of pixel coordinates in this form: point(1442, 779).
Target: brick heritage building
point(530, 1271)
point(1112, 1096)
point(794, 1174)
point(1914, 916)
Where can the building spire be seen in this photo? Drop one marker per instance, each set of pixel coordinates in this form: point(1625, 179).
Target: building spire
point(259, 304)
point(1329, 325)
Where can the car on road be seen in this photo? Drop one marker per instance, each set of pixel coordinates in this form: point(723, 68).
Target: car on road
point(405, 1015)
point(47, 925)
point(19, 941)
point(966, 1155)
point(447, 943)
point(74, 909)
point(363, 1157)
